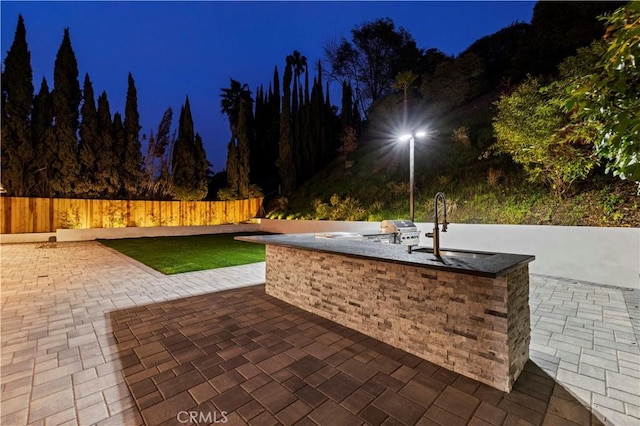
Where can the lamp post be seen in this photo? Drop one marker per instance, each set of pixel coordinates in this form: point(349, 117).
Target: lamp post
point(411, 137)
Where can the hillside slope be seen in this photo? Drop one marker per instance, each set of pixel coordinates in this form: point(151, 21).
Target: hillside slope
point(373, 182)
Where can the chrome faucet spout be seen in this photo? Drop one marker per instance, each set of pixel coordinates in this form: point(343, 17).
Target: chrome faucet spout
point(436, 228)
point(440, 195)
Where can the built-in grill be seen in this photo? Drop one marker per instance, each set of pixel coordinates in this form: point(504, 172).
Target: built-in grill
point(405, 231)
point(391, 232)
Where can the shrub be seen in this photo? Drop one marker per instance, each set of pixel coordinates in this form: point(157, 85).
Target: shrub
point(229, 194)
point(322, 211)
point(348, 209)
point(376, 206)
point(349, 142)
point(444, 180)
point(461, 136)
point(606, 92)
point(398, 189)
point(188, 194)
point(254, 191)
point(494, 176)
point(534, 128)
point(339, 209)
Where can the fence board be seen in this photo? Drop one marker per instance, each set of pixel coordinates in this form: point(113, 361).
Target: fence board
point(25, 215)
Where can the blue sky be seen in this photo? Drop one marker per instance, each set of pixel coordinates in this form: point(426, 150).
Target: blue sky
point(177, 48)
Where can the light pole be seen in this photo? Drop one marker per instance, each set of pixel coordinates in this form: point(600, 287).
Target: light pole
point(411, 137)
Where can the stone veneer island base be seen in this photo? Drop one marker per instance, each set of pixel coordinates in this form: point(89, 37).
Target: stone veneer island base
point(457, 314)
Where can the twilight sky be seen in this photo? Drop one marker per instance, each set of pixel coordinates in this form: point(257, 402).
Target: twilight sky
point(174, 49)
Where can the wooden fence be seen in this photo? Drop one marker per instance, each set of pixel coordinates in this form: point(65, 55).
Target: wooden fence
point(21, 214)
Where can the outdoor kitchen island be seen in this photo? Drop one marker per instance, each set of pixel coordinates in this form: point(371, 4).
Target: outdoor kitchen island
point(467, 312)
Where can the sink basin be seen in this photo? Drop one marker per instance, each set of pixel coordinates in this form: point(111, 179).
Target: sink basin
point(450, 253)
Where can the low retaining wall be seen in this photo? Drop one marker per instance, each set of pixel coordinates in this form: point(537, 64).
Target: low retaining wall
point(34, 237)
point(609, 256)
point(63, 235)
point(311, 226)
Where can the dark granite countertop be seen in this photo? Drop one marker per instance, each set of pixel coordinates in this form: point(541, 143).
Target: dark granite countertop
point(460, 261)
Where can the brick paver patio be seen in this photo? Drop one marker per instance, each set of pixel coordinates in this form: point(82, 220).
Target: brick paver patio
point(92, 337)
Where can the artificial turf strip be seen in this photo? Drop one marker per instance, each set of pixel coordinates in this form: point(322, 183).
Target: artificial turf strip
point(174, 255)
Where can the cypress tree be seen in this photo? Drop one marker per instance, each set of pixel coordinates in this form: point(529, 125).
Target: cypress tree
point(43, 138)
point(243, 152)
point(307, 142)
point(295, 130)
point(257, 149)
point(187, 166)
point(273, 139)
point(202, 168)
point(316, 111)
point(132, 153)
point(286, 164)
point(346, 111)
point(299, 65)
point(106, 178)
point(276, 88)
point(89, 143)
point(183, 161)
point(66, 101)
point(232, 167)
point(149, 163)
point(306, 86)
point(17, 96)
point(330, 141)
point(119, 143)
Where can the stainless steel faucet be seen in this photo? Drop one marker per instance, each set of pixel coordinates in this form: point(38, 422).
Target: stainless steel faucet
point(436, 230)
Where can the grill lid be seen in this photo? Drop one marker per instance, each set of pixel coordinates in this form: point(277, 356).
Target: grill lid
point(398, 226)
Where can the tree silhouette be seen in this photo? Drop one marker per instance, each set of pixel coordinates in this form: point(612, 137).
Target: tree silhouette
point(189, 168)
point(107, 175)
point(89, 142)
point(42, 138)
point(132, 154)
point(372, 59)
point(65, 167)
point(286, 163)
point(405, 81)
point(17, 96)
point(230, 103)
point(299, 65)
point(237, 104)
point(118, 149)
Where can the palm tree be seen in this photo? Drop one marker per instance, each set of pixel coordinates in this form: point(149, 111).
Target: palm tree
point(231, 99)
point(236, 101)
point(405, 80)
point(299, 64)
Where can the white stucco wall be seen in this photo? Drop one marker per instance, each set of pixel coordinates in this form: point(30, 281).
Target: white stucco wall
point(34, 237)
point(307, 226)
point(608, 256)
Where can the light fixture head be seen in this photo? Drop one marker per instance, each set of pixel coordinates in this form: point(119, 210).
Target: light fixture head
point(405, 137)
point(421, 134)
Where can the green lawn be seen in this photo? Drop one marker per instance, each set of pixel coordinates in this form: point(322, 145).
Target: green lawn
point(173, 255)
